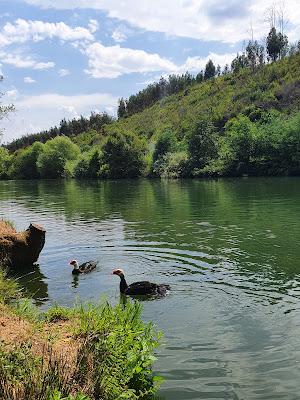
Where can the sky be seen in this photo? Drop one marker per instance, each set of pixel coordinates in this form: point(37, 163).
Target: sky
point(66, 58)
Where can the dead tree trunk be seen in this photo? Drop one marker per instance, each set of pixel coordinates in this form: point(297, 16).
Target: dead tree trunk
point(21, 248)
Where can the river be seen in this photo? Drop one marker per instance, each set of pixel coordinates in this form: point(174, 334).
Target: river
point(229, 249)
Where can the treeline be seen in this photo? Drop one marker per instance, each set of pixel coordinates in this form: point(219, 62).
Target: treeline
point(268, 146)
point(254, 56)
point(69, 128)
point(154, 92)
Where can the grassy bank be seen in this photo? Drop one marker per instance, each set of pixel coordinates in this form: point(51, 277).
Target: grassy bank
point(80, 353)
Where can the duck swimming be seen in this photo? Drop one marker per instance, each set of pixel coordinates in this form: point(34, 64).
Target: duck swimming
point(140, 288)
point(83, 268)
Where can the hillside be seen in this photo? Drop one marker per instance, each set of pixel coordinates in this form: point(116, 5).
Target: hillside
point(273, 86)
point(245, 122)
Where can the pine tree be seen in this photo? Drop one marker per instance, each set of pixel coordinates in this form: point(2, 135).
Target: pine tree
point(277, 44)
point(210, 70)
point(122, 112)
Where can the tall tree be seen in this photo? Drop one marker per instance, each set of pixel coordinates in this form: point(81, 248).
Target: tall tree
point(122, 108)
point(239, 62)
point(277, 44)
point(210, 70)
point(255, 54)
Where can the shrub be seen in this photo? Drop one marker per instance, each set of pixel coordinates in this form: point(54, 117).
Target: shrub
point(88, 165)
point(172, 165)
point(25, 162)
point(5, 160)
point(52, 161)
point(123, 156)
point(118, 351)
point(202, 144)
point(237, 145)
point(166, 143)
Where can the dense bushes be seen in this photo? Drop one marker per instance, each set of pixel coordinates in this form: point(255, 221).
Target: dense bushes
point(25, 162)
point(123, 156)
point(88, 165)
point(202, 145)
point(4, 163)
point(268, 145)
point(51, 162)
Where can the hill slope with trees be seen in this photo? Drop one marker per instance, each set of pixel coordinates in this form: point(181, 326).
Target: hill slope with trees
point(244, 120)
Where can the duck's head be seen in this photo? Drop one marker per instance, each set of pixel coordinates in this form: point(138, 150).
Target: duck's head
point(118, 271)
point(74, 263)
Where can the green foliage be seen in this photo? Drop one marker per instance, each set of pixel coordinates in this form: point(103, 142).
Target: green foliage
point(122, 348)
point(9, 289)
point(24, 376)
point(52, 161)
point(123, 156)
point(58, 313)
point(236, 104)
point(26, 309)
point(278, 145)
point(237, 145)
point(166, 143)
point(88, 165)
point(154, 92)
point(25, 162)
point(5, 160)
point(56, 395)
point(172, 165)
point(277, 44)
point(71, 128)
point(254, 54)
point(202, 147)
point(210, 70)
point(114, 358)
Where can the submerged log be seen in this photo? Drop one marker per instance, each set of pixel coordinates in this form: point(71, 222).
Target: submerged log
point(21, 248)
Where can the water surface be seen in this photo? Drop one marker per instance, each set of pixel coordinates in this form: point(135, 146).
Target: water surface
point(228, 248)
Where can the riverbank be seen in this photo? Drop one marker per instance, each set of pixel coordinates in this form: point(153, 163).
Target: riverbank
point(79, 353)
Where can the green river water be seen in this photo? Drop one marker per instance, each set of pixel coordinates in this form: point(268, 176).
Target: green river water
point(228, 248)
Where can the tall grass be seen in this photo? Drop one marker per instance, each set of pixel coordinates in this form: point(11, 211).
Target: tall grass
point(120, 351)
point(24, 376)
point(110, 356)
point(9, 289)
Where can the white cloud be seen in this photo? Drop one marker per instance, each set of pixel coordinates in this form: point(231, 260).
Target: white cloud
point(119, 35)
point(200, 19)
point(28, 79)
point(12, 94)
point(22, 31)
point(113, 61)
point(55, 100)
point(21, 61)
point(93, 25)
point(38, 112)
point(63, 72)
point(196, 64)
point(69, 112)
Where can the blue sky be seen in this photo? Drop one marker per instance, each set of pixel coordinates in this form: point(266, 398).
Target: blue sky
point(63, 58)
